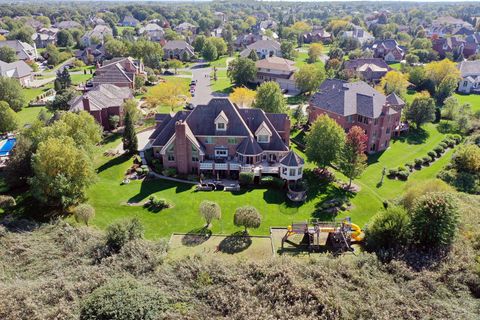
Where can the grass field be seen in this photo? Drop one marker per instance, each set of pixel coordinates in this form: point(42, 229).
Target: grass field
point(80, 78)
point(472, 99)
point(223, 83)
point(395, 66)
point(29, 114)
point(302, 59)
point(110, 198)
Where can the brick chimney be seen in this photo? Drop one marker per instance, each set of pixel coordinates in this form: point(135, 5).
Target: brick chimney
point(286, 131)
point(86, 103)
point(181, 150)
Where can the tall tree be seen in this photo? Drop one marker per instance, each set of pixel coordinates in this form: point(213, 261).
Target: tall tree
point(62, 173)
point(8, 118)
point(130, 142)
point(253, 55)
point(166, 93)
point(324, 141)
point(242, 97)
point(315, 51)
point(352, 159)
point(288, 51)
point(242, 71)
point(270, 98)
point(421, 110)
point(209, 51)
point(7, 54)
point(394, 82)
point(309, 77)
point(64, 39)
point(11, 92)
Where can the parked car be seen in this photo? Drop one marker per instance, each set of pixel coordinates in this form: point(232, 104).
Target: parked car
point(189, 106)
point(168, 73)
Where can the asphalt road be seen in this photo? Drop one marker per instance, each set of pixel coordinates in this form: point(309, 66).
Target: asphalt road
point(203, 91)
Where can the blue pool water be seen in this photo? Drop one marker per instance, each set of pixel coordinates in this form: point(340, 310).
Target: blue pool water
point(7, 147)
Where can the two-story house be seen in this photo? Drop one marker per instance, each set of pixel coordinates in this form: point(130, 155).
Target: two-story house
point(23, 50)
point(358, 104)
point(280, 70)
point(178, 49)
point(152, 32)
point(45, 36)
point(263, 48)
point(470, 76)
point(18, 70)
point(97, 35)
point(221, 139)
point(118, 71)
point(388, 49)
point(368, 69)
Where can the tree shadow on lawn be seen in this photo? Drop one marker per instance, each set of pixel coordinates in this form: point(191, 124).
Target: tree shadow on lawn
point(196, 237)
point(114, 162)
point(414, 136)
point(235, 243)
point(151, 186)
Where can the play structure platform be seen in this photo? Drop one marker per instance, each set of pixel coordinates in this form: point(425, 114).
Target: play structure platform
point(316, 235)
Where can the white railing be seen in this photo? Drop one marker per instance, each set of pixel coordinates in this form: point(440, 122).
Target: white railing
point(234, 166)
point(206, 165)
point(221, 166)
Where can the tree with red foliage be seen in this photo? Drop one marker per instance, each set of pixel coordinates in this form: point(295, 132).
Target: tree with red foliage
point(352, 160)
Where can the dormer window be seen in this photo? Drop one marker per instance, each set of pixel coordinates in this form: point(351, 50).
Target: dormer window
point(221, 122)
point(263, 133)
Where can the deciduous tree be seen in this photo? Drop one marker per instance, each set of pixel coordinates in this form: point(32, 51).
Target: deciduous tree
point(315, 51)
point(309, 77)
point(247, 217)
point(7, 54)
point(210, 210)
point(421, 110)
point(8, 118)
point(11, 92)
point(84, 213)
point(242, 97)
point(209, 51)
point(352, 160)
point(242, 71)
point(324, 141)
point(394, 82)
point(166, 94)
point(269, 98)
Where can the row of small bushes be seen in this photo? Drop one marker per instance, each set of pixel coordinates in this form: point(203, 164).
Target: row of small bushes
point(274, 182)
point(402, 173)
point(142, 170)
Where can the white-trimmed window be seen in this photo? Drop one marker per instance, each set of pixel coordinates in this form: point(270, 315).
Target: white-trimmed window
point(221, 126)
point(292, 172)
point(171, 153)
point(221, 152)
point(263, 138)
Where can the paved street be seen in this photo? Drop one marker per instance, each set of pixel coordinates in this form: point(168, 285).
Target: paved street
point(203, 91)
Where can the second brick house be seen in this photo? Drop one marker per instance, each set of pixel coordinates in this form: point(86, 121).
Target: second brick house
point(358, 104)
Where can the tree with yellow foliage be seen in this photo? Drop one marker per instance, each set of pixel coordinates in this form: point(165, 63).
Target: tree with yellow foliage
point(445, 76)
point(315, 51)
point(242, 97)
point(166, 94)
point(301, 27)
point(394, 82)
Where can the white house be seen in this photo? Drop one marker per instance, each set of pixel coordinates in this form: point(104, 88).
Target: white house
point(18, 70)
point(263, 48)
point(470, 77)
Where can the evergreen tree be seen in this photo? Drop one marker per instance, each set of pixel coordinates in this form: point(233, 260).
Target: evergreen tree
point(253, 55)
point(130, 142)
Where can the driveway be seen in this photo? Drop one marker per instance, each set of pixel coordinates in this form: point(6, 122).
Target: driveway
point(203, 91)
point(142, 139)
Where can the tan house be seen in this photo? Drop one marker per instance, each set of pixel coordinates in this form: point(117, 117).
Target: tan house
point(279, 70)
point(18, 70)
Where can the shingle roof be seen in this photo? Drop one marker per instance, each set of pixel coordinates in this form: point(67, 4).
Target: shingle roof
point(276, 63)
point(291, 159)
point(469, 67)
point(358, 63)
point(259, 45)
point(249, 147)
point(394, 100)
point(101, 97)
point(168, 128)
point(177, 44)
point(20, 69)
point(346, 99)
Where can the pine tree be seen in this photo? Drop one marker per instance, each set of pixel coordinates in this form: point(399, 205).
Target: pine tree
point(253, 55)
point(130, 142)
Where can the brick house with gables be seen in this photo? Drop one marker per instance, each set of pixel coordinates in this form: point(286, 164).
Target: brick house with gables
point(221, 139)
point(358, 104)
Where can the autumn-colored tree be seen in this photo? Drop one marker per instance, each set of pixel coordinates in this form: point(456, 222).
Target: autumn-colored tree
point(315, 51)
point(352, 160)
point(437, 71)
point(242, 97)
point(394, 82)
point(301, 27)
point(166, 94)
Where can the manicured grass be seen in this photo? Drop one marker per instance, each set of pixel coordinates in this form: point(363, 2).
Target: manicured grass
point(121, 28)
point(220, 62)
point(32, 93)
point(395, 66)
point(223, 83)
point(472, 99)
point(80, 78)
point(110, 198)
point(29, 114)
point(302, 59)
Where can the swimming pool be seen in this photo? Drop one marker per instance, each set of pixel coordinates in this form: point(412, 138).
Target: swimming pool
point(7, 147)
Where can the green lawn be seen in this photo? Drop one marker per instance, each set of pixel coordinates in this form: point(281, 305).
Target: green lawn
point(220, 62)
point(302, 59)
point(110, 198)
point(32, 93)
point(395, 66)
point(223, 83)
point(29, 114)
point(80, 78)
point(472, 99)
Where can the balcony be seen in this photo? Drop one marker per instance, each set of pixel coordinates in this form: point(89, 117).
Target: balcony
point(262, 168)
point(207, 165)
point(226, 165)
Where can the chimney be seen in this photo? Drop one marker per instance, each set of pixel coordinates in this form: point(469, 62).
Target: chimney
point(286, 131)
point(181, 150)
point(86, 103)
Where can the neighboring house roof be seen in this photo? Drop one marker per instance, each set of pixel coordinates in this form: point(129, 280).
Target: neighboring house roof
point(23, 50)
point(269, 45)
point(469, 68)
point(359, 33)
point(150, 27)
point(449, 20)
point(16, 69)
point(291, 159)
point(69, 24)
point(276, 63)
point(177, 45)
point(344, 98)
point(395, 100)
point(96, 50)
point(114, 72)
point(249, 147)
point(101, 97)
point(100, 31)
point(185, 26)
point(130, 20)
point(361, 64)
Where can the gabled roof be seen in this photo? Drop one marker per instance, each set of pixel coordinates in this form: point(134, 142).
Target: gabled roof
point(357, 64)
point(177, 45)
point(16, 69)
point(276, 63)
point(344, 98)
point(101, 97)
point(291, 159)
point(395, 100)
point(469, 67)
point(167, 129)
point(69, 24)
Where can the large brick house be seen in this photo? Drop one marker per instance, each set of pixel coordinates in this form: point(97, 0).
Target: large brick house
point(102, 102)
point(368, 69)
point(358, 104)
point(178, 49)
point(118, 71)
point(388, 49)
point(221, 139)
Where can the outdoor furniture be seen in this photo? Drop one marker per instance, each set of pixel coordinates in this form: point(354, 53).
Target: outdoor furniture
point(203, 187)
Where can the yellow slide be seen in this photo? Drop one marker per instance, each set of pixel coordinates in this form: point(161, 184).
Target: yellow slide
point(357, 233)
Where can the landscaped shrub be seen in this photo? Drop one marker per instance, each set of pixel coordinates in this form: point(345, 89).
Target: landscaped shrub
point(246, 178)
point(124, 298)
point(426, 160)
point(7, 202)
point(449, 142)
point(157, 205)
point(210, 210)
point(439, 150)
point(388, 230)
point(84, 213)
point(401, 168)
point(403, 175)
point(418, 162)
point(410, 165)
point(415, 190)
point(145, 169)
point(120, 233)
point(274, 182)
point(392, 173)
point(247, 217)
point(444, 145)
point(434, 220)
point(456, 137)
point(432, 154)
point(139, 171)
point(169, 172)
point(157, 165)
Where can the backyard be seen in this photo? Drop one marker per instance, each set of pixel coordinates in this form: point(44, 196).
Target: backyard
point(114, 201)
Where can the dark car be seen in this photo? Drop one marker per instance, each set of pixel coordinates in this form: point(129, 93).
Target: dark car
point(168, 73)
point(189, 106)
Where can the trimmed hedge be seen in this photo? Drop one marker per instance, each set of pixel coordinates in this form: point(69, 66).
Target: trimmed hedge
point(246, 178)
point(274, 182)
